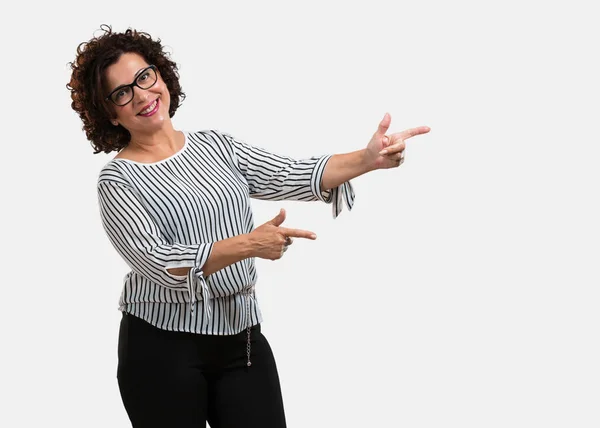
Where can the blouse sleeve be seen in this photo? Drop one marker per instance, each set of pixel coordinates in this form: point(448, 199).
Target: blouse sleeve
point(277, 177)
point(138, 240)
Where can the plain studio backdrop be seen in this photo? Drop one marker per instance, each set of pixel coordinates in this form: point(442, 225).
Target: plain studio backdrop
point(461, 290)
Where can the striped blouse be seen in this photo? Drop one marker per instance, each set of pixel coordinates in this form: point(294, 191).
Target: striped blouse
point(168, 214)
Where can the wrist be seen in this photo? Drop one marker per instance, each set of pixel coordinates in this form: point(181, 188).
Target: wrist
point(369, 161)
point(247, 247)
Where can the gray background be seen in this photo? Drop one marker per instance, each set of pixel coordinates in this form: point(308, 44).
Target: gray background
point(461, 291)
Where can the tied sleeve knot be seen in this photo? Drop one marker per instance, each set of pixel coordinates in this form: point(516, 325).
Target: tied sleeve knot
point(340, 195)
point(194, 276)
point(336, 196)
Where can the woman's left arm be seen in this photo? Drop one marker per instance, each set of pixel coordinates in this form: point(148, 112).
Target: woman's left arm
point(382, 152)
point(276, 177)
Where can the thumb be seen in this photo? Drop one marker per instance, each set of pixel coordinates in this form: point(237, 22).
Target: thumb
point(279, 218)
point(384, 125)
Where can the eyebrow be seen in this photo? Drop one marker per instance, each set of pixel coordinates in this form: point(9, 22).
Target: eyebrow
point(134, 77)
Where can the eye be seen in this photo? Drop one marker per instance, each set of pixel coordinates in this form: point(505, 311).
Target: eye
point(144, 76)
point(121, 94)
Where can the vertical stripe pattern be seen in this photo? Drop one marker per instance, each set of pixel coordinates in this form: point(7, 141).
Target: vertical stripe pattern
point(168, 214)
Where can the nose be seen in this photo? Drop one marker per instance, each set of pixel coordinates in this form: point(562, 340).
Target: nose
point(141, 96)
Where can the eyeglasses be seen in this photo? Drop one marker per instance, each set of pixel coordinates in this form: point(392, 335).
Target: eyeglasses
point(124, 94)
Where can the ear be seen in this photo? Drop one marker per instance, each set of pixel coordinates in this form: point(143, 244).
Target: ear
point(114, 122)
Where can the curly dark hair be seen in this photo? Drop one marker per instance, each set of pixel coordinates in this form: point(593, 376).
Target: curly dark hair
point(87, 82)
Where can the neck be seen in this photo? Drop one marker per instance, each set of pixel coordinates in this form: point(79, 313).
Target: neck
point(164, 140)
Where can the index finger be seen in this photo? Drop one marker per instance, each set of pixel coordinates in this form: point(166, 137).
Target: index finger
point(298, 233)
point(414, 131)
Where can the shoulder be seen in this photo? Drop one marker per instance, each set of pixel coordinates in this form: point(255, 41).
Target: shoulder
point(111, 173)
point(215, 140)
point(210, 136)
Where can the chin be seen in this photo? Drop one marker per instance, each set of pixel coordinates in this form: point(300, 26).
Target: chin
point(154, 125)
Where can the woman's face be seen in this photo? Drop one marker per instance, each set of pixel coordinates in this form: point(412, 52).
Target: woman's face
point(141, 115)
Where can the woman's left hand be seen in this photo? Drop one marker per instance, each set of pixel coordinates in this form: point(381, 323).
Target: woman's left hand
point(387, 151)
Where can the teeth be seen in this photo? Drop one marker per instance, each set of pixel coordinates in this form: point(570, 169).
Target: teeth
point(149, 109)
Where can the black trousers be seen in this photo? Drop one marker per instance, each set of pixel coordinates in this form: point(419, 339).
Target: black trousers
point(182, 380)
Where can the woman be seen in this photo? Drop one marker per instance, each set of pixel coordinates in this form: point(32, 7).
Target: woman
point(175, 205)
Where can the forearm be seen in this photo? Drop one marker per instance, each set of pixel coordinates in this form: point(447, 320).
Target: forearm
point(344, 167)
point(224, 253)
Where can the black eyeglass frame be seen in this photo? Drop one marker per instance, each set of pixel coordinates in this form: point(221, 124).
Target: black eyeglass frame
point(133, 84)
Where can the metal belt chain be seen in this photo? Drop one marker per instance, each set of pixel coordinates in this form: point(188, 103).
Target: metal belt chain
point(248, 346)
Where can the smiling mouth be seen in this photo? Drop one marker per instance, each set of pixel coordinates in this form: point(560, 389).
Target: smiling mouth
point(150, 109)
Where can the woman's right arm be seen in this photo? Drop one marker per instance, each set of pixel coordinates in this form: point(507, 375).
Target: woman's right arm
point(224, 253)
point(136, 237)
point(265, 242)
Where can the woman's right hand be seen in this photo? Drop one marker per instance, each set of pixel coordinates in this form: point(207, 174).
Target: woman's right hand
point(268, 240)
